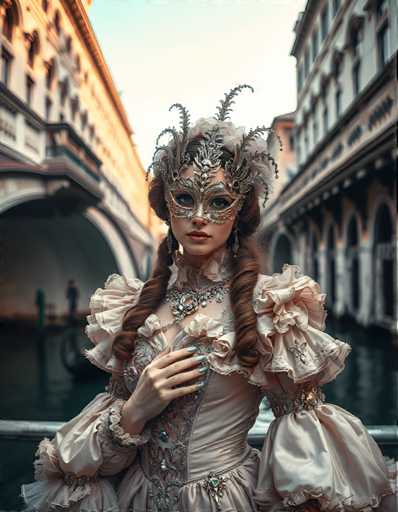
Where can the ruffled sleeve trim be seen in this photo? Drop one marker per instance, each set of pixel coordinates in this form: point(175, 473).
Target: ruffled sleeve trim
point(291, 321)
point(55, 490)
point(116, 432)
point(108, 306)
point(341, 465)
point(71, 470)
point(66, 468)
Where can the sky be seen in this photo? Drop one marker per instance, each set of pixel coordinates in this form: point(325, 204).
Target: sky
point(192, 52)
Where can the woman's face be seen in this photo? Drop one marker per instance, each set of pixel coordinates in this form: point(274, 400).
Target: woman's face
point(202, 216)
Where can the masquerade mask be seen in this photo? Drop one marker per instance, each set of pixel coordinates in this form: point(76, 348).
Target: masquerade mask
point(248, 162)
point(214, 203)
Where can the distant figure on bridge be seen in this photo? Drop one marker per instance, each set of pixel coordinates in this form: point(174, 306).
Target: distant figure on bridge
point(41, 308)
point(72, 294)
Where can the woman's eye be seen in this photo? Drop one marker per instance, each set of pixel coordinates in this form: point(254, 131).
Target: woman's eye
point(220, 203)
point(184, 200)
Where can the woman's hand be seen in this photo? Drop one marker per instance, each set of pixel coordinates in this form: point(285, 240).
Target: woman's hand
point(168, 376)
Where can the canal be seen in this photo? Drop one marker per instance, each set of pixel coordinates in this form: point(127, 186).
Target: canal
point(36, 385)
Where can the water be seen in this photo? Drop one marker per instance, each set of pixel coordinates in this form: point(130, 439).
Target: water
point(37, 386)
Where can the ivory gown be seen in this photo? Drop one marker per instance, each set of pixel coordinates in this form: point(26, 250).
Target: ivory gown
point(312, 448)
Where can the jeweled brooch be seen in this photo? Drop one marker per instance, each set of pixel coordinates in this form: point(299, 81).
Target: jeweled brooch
point(215, 486)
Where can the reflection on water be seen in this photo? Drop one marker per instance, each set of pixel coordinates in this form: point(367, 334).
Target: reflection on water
point(368, 386)
point(36, 385)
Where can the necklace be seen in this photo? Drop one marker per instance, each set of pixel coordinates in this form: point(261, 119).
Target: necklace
point(187, 301)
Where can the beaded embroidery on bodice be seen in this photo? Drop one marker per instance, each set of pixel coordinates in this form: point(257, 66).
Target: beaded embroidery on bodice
point(166, 453)
point(167, 449)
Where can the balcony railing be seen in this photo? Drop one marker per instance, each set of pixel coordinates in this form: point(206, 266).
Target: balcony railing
point(36, 430)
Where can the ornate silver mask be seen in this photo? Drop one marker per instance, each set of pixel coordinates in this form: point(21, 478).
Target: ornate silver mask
point(214, 203)
point(250, 163)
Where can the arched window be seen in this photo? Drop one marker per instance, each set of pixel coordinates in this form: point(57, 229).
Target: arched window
point(315, 44)
point(383, 32)
point(300, 77)
point(45, 5)
point(335, 6)
point(5, 63)
point(30, 86)
point(74, 106)
point(10, 21)
point(337, 64)
point(64, 90)
point(50, 73)
point(57, 22)
point(68, 45)
point(324, 22)
point(33, 47)
point(78, 63)
point(354, 42)
point(83, 120)
point(306, 62)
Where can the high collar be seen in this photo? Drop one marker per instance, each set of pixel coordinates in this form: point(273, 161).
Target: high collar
point(215, 269)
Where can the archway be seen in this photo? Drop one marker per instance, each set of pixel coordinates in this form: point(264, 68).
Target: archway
point(313, 255)
point(55, 247)
point(383, 264)
point(331, 265)
point(353, 264)
point(282, 253)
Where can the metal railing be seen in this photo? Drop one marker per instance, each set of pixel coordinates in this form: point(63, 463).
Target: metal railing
point(36, 430)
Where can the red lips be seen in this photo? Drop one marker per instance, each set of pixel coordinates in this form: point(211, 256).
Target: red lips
point(198, 233)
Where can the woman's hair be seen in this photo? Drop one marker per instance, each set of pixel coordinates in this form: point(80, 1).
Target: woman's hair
point(245, 273)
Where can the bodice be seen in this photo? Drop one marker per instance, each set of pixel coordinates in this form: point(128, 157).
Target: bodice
point(201, 432)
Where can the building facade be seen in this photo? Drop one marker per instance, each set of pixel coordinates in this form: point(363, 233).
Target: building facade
point(337, 217)
point(73, 194)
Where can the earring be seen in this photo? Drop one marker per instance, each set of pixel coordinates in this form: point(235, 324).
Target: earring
point(170, 241)
point(235, 242)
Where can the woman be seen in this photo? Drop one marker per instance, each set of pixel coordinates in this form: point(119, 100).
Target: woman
point(194, 350)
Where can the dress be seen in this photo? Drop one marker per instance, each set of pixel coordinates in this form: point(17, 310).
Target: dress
point(194, 456)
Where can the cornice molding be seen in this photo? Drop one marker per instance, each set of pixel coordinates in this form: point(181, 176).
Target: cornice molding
point(80, 19)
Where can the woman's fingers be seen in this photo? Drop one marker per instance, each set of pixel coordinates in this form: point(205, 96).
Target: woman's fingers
point(172, 394)
point(164, 360)
point(182, 377)
point(182, 365)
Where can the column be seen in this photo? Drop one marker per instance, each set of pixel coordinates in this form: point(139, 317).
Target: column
point(366, 280)
point(341, 282)
point(322, 269)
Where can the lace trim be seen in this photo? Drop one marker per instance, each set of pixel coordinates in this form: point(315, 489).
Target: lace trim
point(71, 479)
point(116, 387)
point(299, 500)
point(306, 398)
point(217, 268)
point(117, 434)
point(302, 500)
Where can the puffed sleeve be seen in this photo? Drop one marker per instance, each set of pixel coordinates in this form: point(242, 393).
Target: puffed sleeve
point(71, 470)
point(313, 450)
